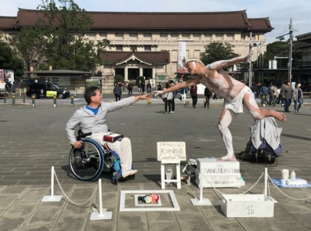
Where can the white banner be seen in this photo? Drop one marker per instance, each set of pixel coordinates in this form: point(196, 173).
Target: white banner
point(181, 57)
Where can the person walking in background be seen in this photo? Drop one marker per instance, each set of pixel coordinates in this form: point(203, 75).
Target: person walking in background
point(183, 93)
point(273, 94)
point(148, 87)
point(117, 91)
point(172, 83)
point(139, 86)
point(167, 98)
point(264, 93)
point(287, 96)
point(298, 97)
point(207, 95)
point(130, 88)
point(143, 88)
point(194, 95)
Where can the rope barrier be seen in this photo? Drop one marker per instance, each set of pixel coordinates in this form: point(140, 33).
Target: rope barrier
point(217, 190)
point(293, 198)
point(68, 199)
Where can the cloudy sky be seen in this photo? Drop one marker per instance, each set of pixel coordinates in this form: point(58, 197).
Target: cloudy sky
point(279, 11)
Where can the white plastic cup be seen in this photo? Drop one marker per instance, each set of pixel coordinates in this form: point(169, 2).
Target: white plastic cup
point(285, 174)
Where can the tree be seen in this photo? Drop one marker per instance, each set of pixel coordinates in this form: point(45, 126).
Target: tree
point(10, 60)
point(60, 38)
point(216, 51)
point(281, 49)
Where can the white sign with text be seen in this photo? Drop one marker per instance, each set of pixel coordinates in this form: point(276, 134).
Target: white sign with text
point(171, 151)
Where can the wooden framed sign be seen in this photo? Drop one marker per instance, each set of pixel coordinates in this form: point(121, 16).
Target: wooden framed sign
point(171, 151)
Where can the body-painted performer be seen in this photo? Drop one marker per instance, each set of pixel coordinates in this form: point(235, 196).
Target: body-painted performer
point(237, 95)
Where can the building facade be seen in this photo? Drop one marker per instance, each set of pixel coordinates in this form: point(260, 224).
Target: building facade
point(146, 44)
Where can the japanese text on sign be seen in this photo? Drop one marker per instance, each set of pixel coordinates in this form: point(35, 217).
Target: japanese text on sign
point(171, 151)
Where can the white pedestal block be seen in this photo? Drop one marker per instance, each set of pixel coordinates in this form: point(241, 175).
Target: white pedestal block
point(249, 205)
point(213, 173)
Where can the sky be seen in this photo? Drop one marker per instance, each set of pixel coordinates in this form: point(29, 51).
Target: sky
point(278, 11)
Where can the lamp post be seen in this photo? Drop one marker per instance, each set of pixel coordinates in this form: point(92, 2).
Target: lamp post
point(251, 45)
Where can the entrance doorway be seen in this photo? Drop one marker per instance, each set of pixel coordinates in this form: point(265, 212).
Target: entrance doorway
point(147, 72)
point(133, 73)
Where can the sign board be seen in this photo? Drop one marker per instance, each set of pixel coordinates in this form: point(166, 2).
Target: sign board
point(171, 151)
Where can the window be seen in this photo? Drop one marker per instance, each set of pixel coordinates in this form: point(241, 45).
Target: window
point(133, 35)
point(219, 36)
point(119, 36)
point(185, 36)
point(163, 36)
point(148, 48)
point(133, 48)
point(147, 36)
point(230, 37)
point(174, 36)
point(207, 36)
point(119, 48)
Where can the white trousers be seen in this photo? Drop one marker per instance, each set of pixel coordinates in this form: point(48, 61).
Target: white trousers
point(123, 148)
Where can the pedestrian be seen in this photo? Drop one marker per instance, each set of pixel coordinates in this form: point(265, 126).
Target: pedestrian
point(207, 95)
point(130, 88)
point(273, 94)
point(194, 95)
point(264, 92)
point(298, 97)
point(139, 86)
point(236, 94)
point(117, 91)
point(167, 98)
point(91, 118)
point(287, 96)
point(172, 83)
point(148, 87)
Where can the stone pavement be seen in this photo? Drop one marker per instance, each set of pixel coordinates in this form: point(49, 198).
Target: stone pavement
point(34, 139)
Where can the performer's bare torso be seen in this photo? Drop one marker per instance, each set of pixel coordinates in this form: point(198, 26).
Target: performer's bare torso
point(221, 83)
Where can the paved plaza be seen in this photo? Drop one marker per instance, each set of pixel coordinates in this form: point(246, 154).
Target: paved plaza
point(32, 139)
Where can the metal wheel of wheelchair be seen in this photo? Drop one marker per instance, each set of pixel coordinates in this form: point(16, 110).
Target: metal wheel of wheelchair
point(87, 163)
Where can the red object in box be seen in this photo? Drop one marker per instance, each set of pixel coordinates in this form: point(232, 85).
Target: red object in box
point(112, 137)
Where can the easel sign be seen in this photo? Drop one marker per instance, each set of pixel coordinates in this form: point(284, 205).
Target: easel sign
point(171, 151)
point(170, 154)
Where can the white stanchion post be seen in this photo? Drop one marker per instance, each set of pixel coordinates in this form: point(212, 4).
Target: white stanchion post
point(266, 182)
point(101, 215)
point(52, 198)
point(201, 201)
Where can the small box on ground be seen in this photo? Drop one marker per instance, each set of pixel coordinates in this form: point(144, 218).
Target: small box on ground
point(247, 205)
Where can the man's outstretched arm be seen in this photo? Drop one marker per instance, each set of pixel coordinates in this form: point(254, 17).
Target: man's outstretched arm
point(176, 87)
point(226, 63)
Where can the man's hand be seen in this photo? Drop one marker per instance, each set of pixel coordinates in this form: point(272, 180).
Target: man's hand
point(157, 93)
point(78, 144)
point(143, 97)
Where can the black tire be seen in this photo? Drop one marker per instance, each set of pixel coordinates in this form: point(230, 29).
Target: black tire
point(60, 96)
point(87, 163)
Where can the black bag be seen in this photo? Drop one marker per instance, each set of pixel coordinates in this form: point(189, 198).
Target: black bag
point(164, 100)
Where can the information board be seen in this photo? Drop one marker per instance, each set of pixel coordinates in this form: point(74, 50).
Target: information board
point(171, 151)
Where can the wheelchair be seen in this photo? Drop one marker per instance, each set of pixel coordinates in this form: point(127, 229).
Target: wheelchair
point(93, 159)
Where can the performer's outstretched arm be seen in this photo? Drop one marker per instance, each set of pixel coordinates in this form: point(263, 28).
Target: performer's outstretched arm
point(226, 63)
point(176, 87)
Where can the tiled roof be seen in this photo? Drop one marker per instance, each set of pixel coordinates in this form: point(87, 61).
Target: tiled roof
point(153, 57)
point(7, 22)
point(260, 24)
point(227, 20)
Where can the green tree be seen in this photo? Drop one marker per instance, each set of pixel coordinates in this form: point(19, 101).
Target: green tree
point(10, 60)
point(216, 51)
point(118, 78)
point(61, 38)
point(281, 49)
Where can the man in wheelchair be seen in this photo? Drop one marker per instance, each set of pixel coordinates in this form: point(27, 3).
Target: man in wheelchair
point(91, 118)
